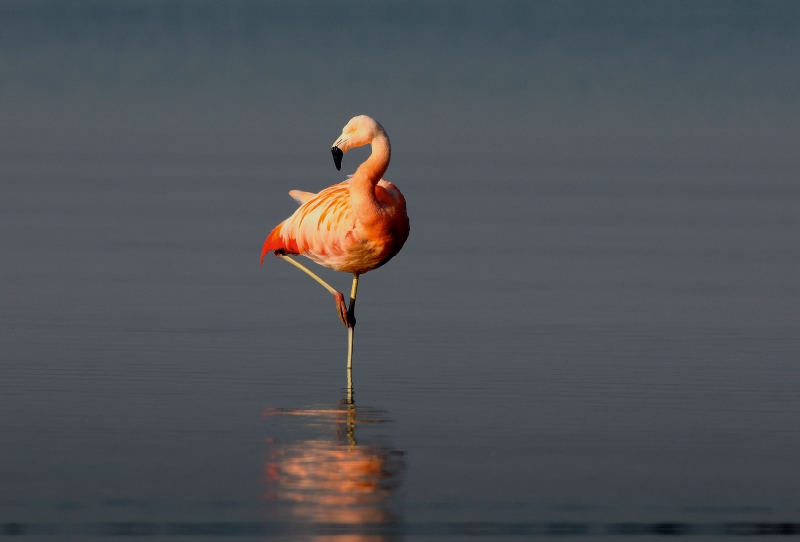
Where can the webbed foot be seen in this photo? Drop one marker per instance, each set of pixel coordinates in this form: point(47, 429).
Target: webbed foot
point(347, 319)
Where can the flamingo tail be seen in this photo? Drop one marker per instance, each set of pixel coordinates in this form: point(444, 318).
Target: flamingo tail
point(276, 242)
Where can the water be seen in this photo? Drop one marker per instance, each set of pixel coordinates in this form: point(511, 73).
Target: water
point(592, 330)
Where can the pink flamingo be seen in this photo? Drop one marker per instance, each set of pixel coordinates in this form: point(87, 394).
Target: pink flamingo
point(354, 226)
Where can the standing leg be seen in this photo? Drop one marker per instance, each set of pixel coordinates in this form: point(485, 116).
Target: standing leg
point(351, 420)
point(350, 393)
point(351, 318)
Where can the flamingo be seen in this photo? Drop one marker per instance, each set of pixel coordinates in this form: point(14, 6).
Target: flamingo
point(354, 226)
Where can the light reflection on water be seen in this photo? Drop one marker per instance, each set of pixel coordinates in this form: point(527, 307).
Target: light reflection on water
point(343, 474)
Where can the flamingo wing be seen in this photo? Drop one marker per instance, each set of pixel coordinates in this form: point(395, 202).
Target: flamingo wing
point(320, 229)
point(300, 196)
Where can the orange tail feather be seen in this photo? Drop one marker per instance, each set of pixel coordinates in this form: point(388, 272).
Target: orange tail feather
point(274, 241)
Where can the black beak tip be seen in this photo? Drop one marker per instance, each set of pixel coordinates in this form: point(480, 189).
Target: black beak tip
point(337, 157)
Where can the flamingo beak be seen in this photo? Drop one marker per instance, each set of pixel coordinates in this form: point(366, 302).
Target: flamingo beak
point(337, 157)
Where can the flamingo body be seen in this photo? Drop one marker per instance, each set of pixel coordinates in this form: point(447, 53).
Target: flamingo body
point(354, 226)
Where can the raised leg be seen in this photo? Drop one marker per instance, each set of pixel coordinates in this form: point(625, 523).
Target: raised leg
point(344, 315)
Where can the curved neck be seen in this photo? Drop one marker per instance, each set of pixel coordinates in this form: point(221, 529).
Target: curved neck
point(362, 185)
point(375, 166)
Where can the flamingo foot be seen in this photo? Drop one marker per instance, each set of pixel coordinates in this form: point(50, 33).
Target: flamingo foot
point(347, 319)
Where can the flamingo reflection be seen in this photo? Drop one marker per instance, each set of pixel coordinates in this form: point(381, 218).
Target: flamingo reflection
point(335, 480)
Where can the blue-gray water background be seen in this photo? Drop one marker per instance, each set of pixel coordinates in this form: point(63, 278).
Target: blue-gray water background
point(595, 318)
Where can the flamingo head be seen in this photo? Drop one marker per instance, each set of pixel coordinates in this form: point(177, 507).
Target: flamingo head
point(361, 130)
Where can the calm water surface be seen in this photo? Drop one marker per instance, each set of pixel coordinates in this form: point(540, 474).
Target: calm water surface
point(594, 328)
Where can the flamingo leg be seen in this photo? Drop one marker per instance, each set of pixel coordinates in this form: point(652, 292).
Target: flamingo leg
point(350, 393)
point(351, 317)
point(344, 315)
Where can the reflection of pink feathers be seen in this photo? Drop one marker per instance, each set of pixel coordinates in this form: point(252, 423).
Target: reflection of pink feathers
point(354, 226)
point(330, 483)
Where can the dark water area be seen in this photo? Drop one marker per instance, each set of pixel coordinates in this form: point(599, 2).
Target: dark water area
point(593, 329)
